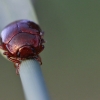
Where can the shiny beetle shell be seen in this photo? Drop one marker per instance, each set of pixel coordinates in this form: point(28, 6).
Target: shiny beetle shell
point(22, 39)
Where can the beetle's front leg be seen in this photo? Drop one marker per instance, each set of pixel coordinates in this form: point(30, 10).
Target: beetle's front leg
point(14, 60)
point(17, 65)
point(38, 58)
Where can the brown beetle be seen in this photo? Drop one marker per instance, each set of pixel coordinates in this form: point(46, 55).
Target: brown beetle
point(22, 39)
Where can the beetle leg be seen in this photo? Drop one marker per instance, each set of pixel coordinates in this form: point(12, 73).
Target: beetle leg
point(1, 47)
point(7, 54)
point(13, 60)
point(38, 58)
point(16, 64)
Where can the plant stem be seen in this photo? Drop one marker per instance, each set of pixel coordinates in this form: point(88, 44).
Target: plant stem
point(32, 81)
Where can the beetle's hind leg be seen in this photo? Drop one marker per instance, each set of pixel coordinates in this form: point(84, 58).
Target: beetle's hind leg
point(1, 47)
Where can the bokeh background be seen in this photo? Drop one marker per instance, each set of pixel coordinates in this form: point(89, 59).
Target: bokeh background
point(71, 59)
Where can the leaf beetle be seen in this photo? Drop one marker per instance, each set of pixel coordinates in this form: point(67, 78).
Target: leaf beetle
point(20, 40)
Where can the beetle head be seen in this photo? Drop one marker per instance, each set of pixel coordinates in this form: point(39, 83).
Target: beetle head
point(25, 52)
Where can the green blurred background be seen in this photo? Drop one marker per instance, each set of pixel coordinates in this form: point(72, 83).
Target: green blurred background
point(71, 59)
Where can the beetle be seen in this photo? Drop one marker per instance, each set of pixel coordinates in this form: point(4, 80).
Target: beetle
point(20, 40)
